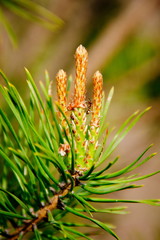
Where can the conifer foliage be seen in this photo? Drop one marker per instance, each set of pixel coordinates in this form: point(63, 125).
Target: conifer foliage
point(50, 159)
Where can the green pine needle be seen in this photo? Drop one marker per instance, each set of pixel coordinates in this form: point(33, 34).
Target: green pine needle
point(41, 184)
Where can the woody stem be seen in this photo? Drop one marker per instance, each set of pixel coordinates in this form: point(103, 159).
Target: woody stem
point(43, 212)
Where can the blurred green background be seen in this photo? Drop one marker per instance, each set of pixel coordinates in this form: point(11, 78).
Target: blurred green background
point(123, 41)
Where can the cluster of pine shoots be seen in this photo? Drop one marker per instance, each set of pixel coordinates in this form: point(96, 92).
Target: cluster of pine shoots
point(85, 136)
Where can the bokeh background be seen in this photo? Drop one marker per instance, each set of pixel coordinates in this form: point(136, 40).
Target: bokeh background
point(123, 41)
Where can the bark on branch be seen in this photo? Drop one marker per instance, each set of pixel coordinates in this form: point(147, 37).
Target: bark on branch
point(41, 214)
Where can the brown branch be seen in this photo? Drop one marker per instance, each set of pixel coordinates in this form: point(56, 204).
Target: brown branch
point(42, 213)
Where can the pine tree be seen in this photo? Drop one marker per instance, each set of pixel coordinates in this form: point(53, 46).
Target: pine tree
point(50, 160)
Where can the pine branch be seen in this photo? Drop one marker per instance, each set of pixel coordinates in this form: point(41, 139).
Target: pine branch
point(54, 150)
point(41, 214)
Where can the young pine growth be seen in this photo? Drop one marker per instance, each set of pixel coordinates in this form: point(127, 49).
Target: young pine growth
point(85, 136)
point(49, 160)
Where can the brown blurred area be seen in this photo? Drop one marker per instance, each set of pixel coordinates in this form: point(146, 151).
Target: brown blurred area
point(123, 40)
